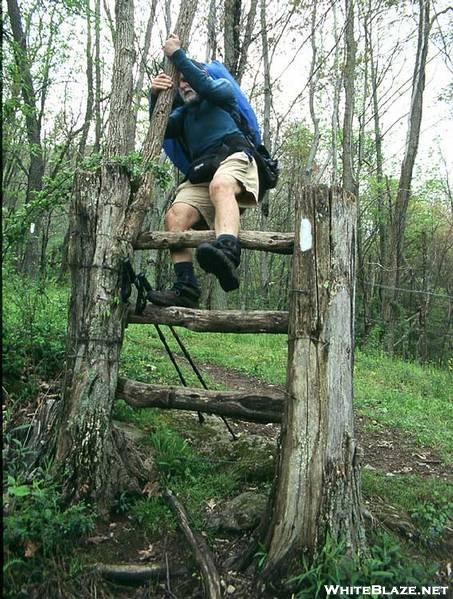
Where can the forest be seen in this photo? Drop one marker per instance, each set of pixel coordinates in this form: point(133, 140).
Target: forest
point(289, 435)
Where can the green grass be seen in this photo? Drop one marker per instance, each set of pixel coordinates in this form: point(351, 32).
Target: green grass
point(263, 356)
point(412, 397)
point(405, 491)
point(427, 501)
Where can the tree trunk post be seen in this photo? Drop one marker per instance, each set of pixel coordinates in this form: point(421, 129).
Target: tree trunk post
point(89, 450)
point(317, 491)
point(96, 458)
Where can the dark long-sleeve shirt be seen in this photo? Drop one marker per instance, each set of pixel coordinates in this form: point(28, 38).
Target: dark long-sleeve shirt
point(203, 123)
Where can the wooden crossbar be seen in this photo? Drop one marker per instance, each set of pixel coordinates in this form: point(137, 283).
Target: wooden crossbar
point(242, 405)
point(275, 242)
point(214, 321)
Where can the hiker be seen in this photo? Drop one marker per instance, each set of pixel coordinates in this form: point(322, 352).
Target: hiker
point(222, 178)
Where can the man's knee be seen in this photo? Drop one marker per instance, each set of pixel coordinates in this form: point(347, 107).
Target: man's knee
point(180, 217)
point(223, 184)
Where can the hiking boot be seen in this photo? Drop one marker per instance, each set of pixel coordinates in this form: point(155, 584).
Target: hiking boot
point(181, 294)
point(221, 258)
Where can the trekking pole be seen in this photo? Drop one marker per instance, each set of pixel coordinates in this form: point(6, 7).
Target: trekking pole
point(201, 418)
point(197, 372)
point(143, 288)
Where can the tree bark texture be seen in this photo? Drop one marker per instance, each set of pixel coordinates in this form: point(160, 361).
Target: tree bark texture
point(137, 574)
point(88, 447)
point(248, 406)
point(214, 321)
point(96, 458)
point(349, 88)
point(279, 243)
point(317, 490)
point(232, 22)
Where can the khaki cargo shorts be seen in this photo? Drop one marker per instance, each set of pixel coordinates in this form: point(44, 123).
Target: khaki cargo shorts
point(238, 166)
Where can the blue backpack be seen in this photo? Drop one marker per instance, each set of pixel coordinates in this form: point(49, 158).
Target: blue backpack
point(217, 70)
point(247, 122)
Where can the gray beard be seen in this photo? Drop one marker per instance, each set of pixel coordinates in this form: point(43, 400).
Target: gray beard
point(189, 97)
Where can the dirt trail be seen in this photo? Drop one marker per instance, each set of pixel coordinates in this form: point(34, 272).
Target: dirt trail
point(385, 449)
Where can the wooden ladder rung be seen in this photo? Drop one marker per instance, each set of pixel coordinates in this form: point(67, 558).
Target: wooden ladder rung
point(214, 321)
point(250, 406)
point(275, 242)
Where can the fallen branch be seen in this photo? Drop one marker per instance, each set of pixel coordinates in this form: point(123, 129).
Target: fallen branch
point(249, 406)
point(199, 548)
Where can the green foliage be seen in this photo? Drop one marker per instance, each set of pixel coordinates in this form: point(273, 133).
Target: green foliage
point(144, 358)
point(173, 455)
point(55, 194)
point(122, 503)
point(391, 391)
point(154, 515)
point(428, 501)
point(34, 514)
point(386, 566)
point(34, 329)
point(432, 516)
point(135, 166)
point(260, 557)
point(37, 526)
point(297, 141)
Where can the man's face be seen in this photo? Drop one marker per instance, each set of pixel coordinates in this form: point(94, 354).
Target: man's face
point(186, 92)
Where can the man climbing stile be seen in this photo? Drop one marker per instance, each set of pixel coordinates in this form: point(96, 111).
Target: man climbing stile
point(222, 177)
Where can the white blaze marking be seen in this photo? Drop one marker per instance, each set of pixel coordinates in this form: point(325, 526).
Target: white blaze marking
point(32, 228)
point(306, 240)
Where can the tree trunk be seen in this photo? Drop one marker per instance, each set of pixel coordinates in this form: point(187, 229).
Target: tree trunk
point(211, 45)
point(392, 269)
point(90, 85)
point(313, 78)
point(317, 491)
point(247, 40)
point(232, 20)
point(93, 455)
point(88, 447)
point(141, 71)
point(349, 81)
point(97, 76)
point(36, 169)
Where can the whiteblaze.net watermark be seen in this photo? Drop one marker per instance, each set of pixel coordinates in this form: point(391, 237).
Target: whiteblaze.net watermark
point(377, 590)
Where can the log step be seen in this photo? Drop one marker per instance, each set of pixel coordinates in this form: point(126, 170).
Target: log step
point(247, 405)
point(267, 241)
point(214, 321)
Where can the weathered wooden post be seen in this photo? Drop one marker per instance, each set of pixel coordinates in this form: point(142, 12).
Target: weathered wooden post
point(317, 491)
point(95, 457)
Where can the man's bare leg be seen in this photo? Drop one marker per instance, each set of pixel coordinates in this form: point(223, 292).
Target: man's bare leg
point(181, 217)
point(222, 191)
point(223, 256)
point(185, 292)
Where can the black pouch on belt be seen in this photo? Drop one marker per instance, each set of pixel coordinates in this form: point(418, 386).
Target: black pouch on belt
point(203, 169)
